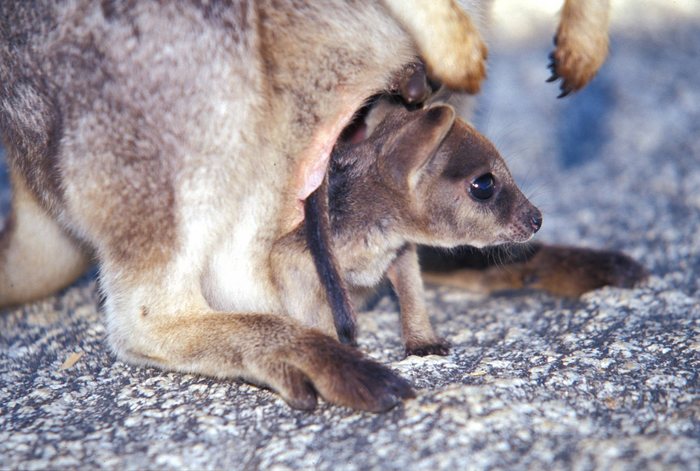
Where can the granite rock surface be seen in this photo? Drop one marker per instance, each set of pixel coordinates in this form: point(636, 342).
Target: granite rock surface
point(608, 381)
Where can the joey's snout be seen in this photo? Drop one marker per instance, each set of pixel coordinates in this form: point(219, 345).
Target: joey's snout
point(535, 219)
point(527, 221)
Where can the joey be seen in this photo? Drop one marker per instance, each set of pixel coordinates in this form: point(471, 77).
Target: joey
point(420, 177)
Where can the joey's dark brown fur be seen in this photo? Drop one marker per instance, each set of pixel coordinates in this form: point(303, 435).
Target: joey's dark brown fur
point(408, 183)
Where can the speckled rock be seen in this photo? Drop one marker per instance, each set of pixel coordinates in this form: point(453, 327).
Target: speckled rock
point(609, 381)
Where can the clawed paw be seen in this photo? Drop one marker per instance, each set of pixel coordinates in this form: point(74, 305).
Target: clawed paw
point(440, 347)
point(576, 60)
point(564, 87)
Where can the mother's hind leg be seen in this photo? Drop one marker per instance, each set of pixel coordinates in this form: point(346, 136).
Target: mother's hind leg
point(158, 316)
point(37, 257)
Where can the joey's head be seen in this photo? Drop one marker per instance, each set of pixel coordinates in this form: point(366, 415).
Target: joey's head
point(451, 184)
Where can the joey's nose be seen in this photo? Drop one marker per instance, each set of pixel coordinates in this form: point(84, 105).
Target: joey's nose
point(536, 221)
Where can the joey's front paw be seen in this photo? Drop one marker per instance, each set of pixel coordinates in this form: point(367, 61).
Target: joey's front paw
point(341, 375)
point(439, 347)
point(576, 58)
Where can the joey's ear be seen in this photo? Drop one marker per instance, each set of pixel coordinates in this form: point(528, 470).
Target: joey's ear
point(414, 144)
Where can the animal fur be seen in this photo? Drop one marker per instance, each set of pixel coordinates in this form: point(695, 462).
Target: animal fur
point(574, 63)
point(581, 43)
point(407, 183)
point(174, 143)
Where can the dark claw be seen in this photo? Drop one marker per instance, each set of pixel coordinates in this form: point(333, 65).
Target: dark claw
point(564, 91)
point(565, 87)
point(552, 66)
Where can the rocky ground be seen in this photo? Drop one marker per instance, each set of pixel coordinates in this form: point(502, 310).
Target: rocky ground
point(609, 381)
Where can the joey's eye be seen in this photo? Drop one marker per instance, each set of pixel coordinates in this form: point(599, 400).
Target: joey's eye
point(482, 187)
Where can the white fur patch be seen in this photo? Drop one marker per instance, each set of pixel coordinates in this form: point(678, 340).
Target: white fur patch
point(232, 282)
